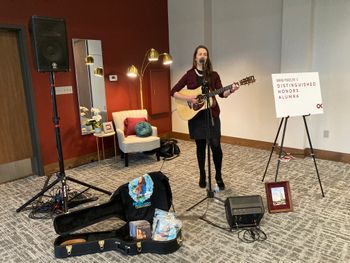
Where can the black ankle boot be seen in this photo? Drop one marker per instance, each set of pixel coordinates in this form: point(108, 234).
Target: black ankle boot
point(202, 182)
point(220, 182)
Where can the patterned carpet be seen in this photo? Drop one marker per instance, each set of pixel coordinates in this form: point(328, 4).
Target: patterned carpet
point(317, 230)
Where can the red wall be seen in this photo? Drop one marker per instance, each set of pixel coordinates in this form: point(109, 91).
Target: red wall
point(127, 30)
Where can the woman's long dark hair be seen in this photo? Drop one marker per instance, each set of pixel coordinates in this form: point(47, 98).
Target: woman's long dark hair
point(207, 66)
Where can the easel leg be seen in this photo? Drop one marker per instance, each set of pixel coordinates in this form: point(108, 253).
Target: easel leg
point(313, 155)
point(272, 149)
point(281, 148)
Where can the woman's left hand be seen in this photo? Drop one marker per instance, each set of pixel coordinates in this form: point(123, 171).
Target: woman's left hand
point(234, 87)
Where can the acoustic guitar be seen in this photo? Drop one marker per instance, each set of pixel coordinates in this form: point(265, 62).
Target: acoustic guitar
point(188, 110)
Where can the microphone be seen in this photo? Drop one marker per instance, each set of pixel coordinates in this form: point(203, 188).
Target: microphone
point(202, 60)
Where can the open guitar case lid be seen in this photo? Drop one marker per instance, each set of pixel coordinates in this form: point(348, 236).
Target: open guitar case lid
point(122, 205)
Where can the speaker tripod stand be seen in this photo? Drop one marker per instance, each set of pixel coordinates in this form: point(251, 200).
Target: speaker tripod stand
point(61, 176)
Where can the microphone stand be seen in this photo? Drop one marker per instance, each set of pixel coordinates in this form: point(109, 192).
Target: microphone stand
point(209, 123)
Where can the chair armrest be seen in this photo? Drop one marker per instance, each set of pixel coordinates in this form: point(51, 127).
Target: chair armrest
point(120, 135)
point(154, 131)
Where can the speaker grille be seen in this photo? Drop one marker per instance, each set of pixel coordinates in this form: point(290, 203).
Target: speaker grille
point(49, 43)
point(244, 211)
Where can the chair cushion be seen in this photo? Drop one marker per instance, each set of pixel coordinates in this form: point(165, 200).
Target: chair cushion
point(133, 144)
point(143, 129)
point(130, 123)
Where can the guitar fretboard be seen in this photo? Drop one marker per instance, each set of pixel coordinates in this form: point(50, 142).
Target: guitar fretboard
point(218, 91)
point(244, 81)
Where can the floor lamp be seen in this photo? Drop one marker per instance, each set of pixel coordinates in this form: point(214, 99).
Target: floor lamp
point(151, 55)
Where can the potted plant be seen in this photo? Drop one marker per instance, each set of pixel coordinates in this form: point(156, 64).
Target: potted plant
point(92, 117)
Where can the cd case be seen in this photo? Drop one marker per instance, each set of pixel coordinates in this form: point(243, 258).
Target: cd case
point(140, 229)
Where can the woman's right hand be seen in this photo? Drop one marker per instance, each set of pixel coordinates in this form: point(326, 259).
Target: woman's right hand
point(189, 98)
point(192, 99)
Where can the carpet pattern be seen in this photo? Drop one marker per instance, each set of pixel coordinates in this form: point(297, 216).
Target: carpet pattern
point(317, 230)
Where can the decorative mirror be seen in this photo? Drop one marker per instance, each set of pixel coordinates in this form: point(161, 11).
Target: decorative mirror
point(90, 83)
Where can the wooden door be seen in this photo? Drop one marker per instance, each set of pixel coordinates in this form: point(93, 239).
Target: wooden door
point(160, 92)
point(15, 139)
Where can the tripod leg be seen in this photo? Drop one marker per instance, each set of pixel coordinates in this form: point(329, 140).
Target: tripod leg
point(201, 201)
point(313, 155)
point(273, 148)
point(281, 149)
point(88, 185)
point(45, 184)
point(38, 195)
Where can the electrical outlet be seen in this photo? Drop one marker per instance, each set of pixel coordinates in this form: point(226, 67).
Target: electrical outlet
point(325, 133)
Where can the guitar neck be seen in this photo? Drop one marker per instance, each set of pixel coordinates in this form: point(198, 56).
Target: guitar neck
point(218, 91)
point(245, 81)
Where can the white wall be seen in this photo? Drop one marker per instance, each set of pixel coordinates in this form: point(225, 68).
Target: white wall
point(186, 31)
point(331, 58)
point(246, 41)
point(261, 38)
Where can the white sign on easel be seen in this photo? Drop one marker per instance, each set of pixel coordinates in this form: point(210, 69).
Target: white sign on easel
point(297, 94)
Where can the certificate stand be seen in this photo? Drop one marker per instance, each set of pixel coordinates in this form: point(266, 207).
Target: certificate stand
point(285, 120)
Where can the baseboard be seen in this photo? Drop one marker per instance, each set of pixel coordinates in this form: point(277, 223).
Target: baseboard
point(230, 140)
point(52, 168)
point(319, 154)
point(329, 155)
point(180, 136)
point(246, 142)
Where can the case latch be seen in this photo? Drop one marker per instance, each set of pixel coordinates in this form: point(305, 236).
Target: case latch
point(69, 249)
point(101, 243)
point(139, 246)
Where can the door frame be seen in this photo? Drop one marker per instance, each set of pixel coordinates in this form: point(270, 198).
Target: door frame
point(37, 164)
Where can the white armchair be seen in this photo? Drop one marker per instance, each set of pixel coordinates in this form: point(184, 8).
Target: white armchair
point(132, 143)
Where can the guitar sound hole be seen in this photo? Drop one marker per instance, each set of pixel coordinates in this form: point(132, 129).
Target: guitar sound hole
point(198, 105)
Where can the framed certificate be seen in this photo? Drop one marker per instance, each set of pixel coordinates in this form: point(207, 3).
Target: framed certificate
point(108, 127)
point(278, 197)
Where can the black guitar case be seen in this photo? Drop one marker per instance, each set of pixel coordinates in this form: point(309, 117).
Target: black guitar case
point(120, 205)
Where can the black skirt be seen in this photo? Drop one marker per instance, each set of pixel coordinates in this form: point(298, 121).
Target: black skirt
point(198, 126)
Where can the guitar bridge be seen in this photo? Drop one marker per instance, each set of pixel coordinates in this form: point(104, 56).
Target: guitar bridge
point(189, 104)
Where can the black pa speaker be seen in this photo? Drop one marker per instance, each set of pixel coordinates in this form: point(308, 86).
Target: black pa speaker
point(244, 211)
point(49, 42)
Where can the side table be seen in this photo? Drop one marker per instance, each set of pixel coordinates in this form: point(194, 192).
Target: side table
point(102, 135)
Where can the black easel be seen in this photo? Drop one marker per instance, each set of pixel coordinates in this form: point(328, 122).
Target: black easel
point(209, 122)
point(285, 119)
point(61, 176)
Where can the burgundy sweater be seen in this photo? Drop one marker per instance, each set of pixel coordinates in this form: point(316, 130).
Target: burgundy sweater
point(190, 80)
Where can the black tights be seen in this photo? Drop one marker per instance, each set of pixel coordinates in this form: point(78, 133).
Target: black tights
point(215, 147)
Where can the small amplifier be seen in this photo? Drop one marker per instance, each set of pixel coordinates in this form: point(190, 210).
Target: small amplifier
point(244, 211)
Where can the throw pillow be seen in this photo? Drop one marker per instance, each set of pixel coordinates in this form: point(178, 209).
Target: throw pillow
point(143, 129)
point(130, 123)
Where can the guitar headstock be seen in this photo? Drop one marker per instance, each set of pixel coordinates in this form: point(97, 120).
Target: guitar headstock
point(247, 80)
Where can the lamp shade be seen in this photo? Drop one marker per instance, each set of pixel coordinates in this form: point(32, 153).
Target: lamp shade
point(167, 59)
point(153, 55)
point(89, 60)
point(98, 72)
point(132, 71)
